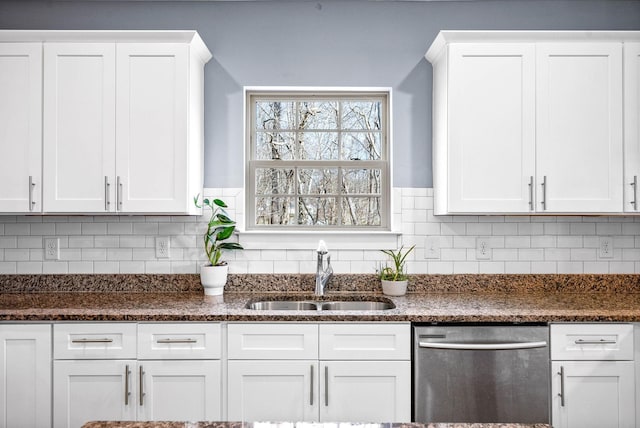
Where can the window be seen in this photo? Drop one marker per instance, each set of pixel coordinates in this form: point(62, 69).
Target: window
point(317, 160)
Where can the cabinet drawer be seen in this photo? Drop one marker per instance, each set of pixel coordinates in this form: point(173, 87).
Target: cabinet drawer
point(272, 341)
point(592, 342)
point(159, 341)
point(377, 341)
point(94, 341)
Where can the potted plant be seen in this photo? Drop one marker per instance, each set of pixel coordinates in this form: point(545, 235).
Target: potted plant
point(394, 278)
point(213, 275)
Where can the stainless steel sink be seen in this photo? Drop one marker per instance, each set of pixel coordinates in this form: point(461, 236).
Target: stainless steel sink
point(357, 305)
point(282, 305)
point(319, 305)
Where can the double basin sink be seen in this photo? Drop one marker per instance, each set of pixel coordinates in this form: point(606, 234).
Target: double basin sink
point(368, 304)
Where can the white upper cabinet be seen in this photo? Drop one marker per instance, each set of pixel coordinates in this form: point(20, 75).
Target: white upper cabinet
point(20, 127)
point(579, 127)
point(531, 122)
point(152, 133)
point(120, 127)
point(631, 126)
point(491, 127)
point(79, 126)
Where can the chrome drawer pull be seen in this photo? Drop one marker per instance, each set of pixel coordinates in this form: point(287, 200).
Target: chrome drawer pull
point(142, 394)
point(326, 385)
point(176, 341)
point(544, 193)
point(105, 340)
point(31, 186)
point(531, 193)
point(127, 372)
point(595, 342)
point(107, 201)
point(634, 184)
point(484, 346)
point(311, 387)
point(561, 394)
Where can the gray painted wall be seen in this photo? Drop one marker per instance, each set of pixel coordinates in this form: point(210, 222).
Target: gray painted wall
point(325, 42)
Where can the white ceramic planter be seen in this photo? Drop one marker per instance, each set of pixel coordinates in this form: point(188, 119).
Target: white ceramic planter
point(394, 288)
point(213, 279)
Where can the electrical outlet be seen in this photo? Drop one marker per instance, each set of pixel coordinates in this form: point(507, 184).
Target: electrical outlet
point(483, 249)
point(162, 247)
point(432, 247)
point(52, 248)
point(605, 248)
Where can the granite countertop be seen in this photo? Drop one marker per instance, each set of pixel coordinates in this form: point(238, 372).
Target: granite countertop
point(161, 424)
point(467, 298)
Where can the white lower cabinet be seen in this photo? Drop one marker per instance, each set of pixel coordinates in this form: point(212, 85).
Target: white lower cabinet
point(272, 390)
point(370, 383)
point(593, 394)
point(178, 390)
point(25, 376)
point(593, 376)
point(365, 391)
point(93, 390)
point(128, 371)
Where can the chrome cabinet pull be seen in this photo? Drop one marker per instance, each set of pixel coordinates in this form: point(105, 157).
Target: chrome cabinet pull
point(595, 342)
point(31, 186)
point(531, 193)
point(189, 340)
point(634, 183)
point(326, 385)
point(126, 385)
point(107, 201)
point(311, 387)
point(544, 193)
point(84, 340)
point(119, 193)
point(141, 386)
point(561, 394)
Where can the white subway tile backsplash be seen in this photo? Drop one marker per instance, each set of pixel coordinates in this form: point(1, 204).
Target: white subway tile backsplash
point(519, 244)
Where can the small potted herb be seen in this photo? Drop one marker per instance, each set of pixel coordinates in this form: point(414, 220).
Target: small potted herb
point(213, 275)
point(394, 278)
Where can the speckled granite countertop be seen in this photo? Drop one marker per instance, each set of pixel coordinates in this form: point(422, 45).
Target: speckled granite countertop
point(299, 425)
point(433, 298)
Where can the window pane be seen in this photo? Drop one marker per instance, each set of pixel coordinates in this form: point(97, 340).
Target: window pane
point(274, 145)
point(317, 212)
point(361, 146)
point(275, 210)
point(361, 181)
point(318, 115)
point(317, 181)
point(361, 211)
point(361, 115)
point(274, 181)
point(275, 115)
point(319, 146)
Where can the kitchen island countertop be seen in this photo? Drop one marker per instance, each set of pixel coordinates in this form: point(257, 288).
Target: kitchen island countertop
point(160, 424)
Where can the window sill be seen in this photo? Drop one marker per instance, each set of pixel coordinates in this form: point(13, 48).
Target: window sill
point(308, 240)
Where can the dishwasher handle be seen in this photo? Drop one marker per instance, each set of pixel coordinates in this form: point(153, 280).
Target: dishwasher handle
point(483, 346)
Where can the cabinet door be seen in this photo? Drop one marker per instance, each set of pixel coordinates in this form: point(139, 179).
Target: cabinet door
point(491, 151)
point(20, 127)
point(596, 394)
point(365, 391)
point(179, 390)
point(272, 390)
point(579, 127)
point(93, 390)
point(25, 376)
point(79, 127)
point(152, 135)
point(631, 126)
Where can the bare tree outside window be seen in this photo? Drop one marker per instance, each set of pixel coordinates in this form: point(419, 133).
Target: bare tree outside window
point(318, 160)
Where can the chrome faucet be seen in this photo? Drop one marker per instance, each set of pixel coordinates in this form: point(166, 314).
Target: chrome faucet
point(323, 275)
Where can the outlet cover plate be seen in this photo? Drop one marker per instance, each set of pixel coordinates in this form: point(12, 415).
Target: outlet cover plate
point(605, 247)
point(163, 249)
point(483, 248)
point(52, 248)
point(432, 247)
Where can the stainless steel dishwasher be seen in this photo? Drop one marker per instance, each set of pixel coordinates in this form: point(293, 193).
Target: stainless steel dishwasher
point(481, 373)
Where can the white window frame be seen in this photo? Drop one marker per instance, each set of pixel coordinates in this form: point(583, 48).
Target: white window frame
point(385, 236)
